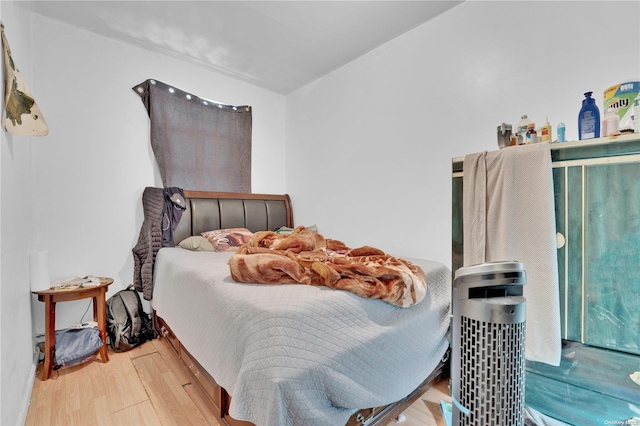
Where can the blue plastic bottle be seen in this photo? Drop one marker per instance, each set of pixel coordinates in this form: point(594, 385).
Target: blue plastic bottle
point(561, 132)
point(589, 118)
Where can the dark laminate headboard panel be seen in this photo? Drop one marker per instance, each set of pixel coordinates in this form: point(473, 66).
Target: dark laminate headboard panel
point(207, 211)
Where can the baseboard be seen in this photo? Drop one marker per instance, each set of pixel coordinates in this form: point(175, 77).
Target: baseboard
point(26, 398)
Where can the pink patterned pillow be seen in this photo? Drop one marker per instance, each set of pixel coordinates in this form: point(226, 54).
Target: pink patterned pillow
point(228, 239)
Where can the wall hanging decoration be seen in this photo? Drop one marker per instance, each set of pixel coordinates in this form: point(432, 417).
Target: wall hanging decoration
point(22, 115)
point(198, 144)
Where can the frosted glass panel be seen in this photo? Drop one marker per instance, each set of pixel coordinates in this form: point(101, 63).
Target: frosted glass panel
point(612, 267)
point(574, 246)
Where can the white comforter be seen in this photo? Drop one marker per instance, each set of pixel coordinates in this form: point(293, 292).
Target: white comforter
point(293, 354)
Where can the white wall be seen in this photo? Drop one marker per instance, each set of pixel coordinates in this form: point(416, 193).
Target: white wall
point(16, 347)
point(369, 146)
point(89, 176)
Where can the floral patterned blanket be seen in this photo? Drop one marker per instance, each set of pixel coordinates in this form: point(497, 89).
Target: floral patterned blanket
point(306, 257)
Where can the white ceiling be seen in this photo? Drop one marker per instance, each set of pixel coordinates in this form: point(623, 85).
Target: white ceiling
point(277, 45)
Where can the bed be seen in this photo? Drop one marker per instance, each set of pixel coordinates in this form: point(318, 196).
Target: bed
point(292, 354)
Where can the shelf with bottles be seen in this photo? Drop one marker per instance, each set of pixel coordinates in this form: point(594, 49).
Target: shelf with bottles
point(623, 144)
point(622, 137)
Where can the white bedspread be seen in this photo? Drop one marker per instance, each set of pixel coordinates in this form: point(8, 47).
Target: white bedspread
point(292, 354)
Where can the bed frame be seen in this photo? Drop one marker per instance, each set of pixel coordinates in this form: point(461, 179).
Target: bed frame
point(219, 210)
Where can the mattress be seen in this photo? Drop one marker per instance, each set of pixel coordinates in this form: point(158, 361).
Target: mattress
point(292, 354)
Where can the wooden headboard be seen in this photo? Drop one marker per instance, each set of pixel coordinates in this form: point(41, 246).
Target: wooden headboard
point(207, 211)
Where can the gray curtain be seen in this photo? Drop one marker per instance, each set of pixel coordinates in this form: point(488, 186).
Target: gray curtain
point(199, 145)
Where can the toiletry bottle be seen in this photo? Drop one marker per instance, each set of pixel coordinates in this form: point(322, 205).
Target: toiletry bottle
point(561, 132)
point(521, 130)
point(532, 136)
point(611, 123)
point(545, 132)
point(589, 118)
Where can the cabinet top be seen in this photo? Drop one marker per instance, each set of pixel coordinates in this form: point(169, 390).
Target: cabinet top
point(625, 144)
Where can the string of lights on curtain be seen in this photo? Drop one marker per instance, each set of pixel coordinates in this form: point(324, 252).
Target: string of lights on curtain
point(198, 144)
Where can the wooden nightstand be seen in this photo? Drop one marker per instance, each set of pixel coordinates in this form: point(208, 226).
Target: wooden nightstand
point(51, 297)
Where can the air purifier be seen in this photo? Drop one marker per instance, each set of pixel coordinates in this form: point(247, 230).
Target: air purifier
point(487, 347)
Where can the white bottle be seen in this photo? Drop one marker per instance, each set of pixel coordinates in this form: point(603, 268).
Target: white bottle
point(611, 123)
point(521, 130)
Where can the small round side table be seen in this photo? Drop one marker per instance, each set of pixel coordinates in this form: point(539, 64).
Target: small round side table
point(50, 297)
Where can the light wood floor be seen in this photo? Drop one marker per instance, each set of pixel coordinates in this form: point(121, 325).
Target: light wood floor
point(149, 386)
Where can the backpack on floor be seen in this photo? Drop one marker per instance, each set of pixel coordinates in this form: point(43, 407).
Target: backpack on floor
point(128, 325)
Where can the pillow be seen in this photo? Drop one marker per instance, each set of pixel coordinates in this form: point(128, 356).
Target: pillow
point(228, 239)
point(286, 230)
point(196, 243)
